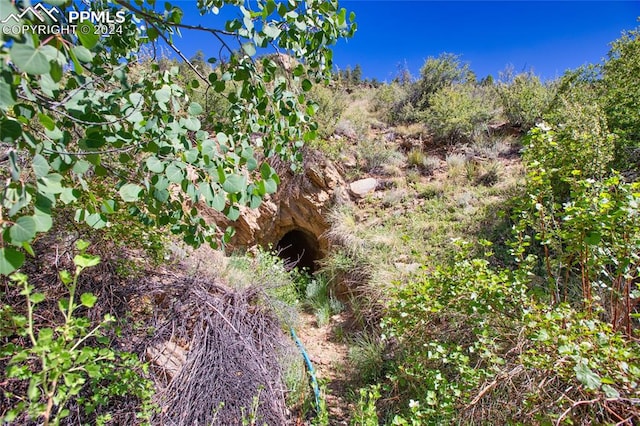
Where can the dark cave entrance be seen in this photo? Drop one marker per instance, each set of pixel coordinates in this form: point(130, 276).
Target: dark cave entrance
point(300, 249)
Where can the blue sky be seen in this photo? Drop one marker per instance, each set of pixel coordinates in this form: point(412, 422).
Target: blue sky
point(548, 37)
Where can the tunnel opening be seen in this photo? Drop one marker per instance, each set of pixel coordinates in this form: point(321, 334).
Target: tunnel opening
point(299, 249)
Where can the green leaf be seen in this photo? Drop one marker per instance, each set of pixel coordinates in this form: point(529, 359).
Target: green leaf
point(174, 173)
point(14, 168)
point(163, 94)
point(86, 260)
point(249, 48)
point(234, 183)
point(155, 165)
point(47, 121)
point(65, 277)
point(81, 167)
point(271, 31)
point(130, 192)
point(69, 195)
point(266, 171)
point(36, 298)
point(586, 376)
point(96, 221)
point(23, 230)
point(88, 299)
point(10, 260)
point(191, 123)
point(7, 95)
point(29, 59)
point(610, 391)
point(93, 370)
point(82, 53)
point(108, 206)
point(270, 186)
point(33, 392)
point(195, 108)
point(27, 247)
point(56, 72)
point(86, 33)
point(218, 202)
point(82, 245)
point(306, 85)
point(593, 238)
point(10, 130)
point(43, 222)
point(233, 213)
point(40, 165)
point(191, 156)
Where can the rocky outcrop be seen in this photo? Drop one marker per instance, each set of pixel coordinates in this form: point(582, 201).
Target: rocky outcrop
point(301, 203)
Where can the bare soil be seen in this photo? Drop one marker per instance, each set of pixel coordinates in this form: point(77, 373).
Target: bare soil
point(328, 354)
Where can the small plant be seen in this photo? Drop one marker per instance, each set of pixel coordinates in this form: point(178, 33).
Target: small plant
point(456, 164)
point(419, 160)
point(322, 412)
point(489, 174)
point(416, 158)
point(376, 155)
point(365, 354)
point(70, 362)
point(365, 413)
point(320, 300)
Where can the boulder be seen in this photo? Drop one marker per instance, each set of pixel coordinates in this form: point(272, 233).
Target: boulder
point(362, 187)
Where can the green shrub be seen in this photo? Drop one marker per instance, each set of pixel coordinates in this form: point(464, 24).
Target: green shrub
point(366, 357)
point(524, 99)
point(621, 80)
point(436, 74)
point(331, 104)
point(456, 113)
point(69, 363)
point(590, 243)
point(583, 359)
point(387, 102)
point(378, 156)
point(452, 327)
point(319, 298)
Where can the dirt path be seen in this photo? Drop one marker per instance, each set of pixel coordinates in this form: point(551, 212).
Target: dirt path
point(329, 358)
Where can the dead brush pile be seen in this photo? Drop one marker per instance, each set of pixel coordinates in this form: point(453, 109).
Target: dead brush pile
point(234, 369)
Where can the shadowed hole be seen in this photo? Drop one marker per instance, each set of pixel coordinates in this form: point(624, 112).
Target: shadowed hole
point(299, 248)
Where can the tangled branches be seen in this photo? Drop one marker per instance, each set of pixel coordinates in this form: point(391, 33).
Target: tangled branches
point(233, 372)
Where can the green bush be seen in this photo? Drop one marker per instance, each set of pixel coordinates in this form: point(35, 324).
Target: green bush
point(452, 328)
point(331, 104)
point(388, 100)
point(582, 359)
point(621, 80)
point(365, 413)
point(457, 113)
point(590, 243)
point(524, 99)
point(436, 74)
point(69, 363)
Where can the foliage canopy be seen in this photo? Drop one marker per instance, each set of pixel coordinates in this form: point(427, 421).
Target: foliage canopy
point(80, 109)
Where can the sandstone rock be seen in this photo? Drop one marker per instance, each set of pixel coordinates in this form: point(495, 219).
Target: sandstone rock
point(362, 187)
point(301, 203)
